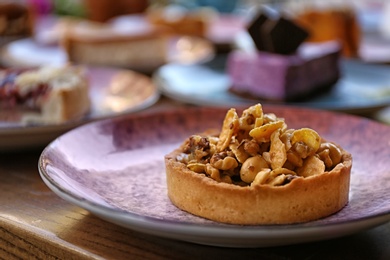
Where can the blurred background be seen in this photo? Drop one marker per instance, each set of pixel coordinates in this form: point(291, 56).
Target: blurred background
point(39, 32)
point(354, 21)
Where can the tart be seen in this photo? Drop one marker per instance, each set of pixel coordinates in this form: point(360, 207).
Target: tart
point(256, 171)
point(45, 95)
point(140, 46)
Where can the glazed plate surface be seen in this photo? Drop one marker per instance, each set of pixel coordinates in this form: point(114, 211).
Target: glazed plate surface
point(114, 168)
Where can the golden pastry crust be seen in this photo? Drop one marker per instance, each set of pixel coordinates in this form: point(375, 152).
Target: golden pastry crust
point(48, 95)
point(103, 45)
point(302, 200)
point(67, 104)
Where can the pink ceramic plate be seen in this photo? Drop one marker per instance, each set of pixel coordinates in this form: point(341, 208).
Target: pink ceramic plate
point(106, 100)
point(114, 168)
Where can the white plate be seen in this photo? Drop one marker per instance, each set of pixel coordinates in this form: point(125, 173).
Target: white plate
point(105, 103)
point(114, 168)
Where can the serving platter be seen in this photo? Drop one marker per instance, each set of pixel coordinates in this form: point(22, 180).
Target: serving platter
point(106, 101)
point(114, 168)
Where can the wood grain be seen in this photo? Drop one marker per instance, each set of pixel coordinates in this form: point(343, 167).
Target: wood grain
point(37, 224)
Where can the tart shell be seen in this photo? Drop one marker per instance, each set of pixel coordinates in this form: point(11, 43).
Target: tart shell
point(301, 200)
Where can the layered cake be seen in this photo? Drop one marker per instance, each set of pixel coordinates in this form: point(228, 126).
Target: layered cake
point(256, 170)
point(282, 67)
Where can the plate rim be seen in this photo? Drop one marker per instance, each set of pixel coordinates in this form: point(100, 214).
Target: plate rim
point(256, 232)
point(253, 234)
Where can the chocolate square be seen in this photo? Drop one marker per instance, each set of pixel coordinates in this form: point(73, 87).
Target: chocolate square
point(279, 35)
point(255, 30)
point(286, 36)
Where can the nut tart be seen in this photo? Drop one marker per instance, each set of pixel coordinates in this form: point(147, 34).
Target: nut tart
point(257, 171)
point(139, 46)
point(46, 95)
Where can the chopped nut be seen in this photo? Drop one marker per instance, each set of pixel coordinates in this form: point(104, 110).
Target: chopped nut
point(278, 180)
point(251, 167)
point(213, 172)
point(251, 147)
point(311, 166)
point(301, 149)
point(280, 171)
point(225, 163)
point(294, 158)
point(334, 152)
point(324, 155)
point(258, 149)
point(197, 167)
point(261, 177)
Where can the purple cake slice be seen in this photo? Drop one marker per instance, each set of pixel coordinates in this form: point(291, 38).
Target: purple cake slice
point(269, 76)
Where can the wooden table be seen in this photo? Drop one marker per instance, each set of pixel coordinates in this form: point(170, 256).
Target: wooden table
point(37, 224)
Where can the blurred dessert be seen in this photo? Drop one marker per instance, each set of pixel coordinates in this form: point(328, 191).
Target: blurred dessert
point(104, 10)
point(56, 28)
point(139, 46)
point(46, 95)
point(223, 31)
point(281, 67)
point(16, 20)
point(257, 171)
point(203, 22)
point(180, 20)
point(332, 23)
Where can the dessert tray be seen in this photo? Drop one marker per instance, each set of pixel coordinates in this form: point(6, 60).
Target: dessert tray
point(362, 88)
point(105, 102)
point(121, 177)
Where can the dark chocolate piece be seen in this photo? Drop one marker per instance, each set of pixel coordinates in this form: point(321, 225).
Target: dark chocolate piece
point(281, 35)
point(286, 37)
point(254, 30)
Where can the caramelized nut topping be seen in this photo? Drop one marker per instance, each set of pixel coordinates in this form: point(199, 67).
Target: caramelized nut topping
point(259, 149)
